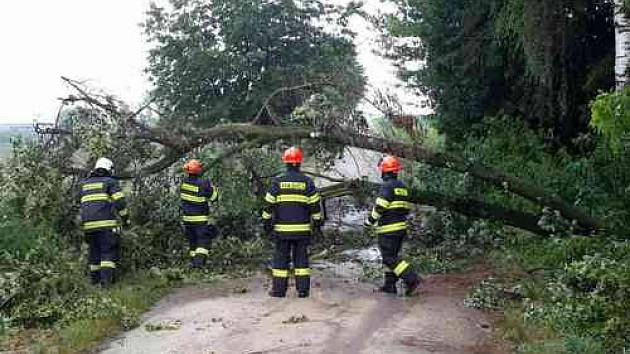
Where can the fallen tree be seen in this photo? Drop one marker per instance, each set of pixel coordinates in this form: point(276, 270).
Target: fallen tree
point(173, 143)
point(413, 152)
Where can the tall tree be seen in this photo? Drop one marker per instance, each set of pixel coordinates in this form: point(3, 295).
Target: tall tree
point(536, 59)
point(622, 41)
point(218, 60)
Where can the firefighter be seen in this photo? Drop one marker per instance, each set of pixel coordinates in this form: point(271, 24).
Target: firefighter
point(389, 217)
point(195, 194)
point(291, 211)
point(103, 207)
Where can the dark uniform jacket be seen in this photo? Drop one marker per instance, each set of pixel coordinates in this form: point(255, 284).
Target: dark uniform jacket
point(195, 193)
point(290, 204)
point(102, 202)
point(391, 209)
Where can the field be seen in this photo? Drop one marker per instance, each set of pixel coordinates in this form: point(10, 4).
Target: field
point(12, 131)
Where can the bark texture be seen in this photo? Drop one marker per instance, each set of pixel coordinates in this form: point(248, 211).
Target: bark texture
point(466, 206)
point(622, 44)
point(409, 151)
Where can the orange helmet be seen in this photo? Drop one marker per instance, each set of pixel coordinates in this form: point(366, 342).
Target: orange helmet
point(390, 164)
point(193, 167)
point(293, 155)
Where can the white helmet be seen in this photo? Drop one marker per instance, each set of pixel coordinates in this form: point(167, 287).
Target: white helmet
point(104, 163)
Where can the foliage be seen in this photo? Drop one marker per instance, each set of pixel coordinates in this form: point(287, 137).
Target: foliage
point(590, 296)
point(582, 295)
point(43, 272)
point(452, 236)
point(26, 168)
point(597, 181)
point(219, 61)
point(426, 132)
point(489, 294)
point(611, 116)
point(540, 61)
point(233, 255)
point(239, 182)
point(94, 315)
point(97, 132)
point(36, 287)
point(563, 293)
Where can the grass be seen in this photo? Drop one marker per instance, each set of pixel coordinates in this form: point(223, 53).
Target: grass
point(137, 293)
point(520, 332)
point(529, 261)
point(527, 337)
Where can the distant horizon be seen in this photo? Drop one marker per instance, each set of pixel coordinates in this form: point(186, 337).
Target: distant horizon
point(20, 125)
point(6, 121)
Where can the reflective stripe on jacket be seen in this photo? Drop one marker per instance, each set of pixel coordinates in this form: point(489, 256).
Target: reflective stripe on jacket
point(195, 193)
point(291, 203)
point(102, 203)
point(391, 207)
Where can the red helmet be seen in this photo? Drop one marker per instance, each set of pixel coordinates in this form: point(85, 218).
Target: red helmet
point(390, 164)
point(193, 167)
point(293, 155)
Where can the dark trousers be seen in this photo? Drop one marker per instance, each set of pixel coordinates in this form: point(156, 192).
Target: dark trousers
point(390, 246)
point(199, 240)
point(104, 255)
point(285, 251)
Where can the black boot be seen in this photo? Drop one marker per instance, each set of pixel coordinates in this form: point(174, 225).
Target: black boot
point(115, 275)
point(389, 285)
point(95, 277)
point(198, 261)
point(303, 285)
point(279, 287)
point(107, 277)
point(412, 282)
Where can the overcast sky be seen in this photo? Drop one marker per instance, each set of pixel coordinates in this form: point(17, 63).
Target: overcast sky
point(99, 41)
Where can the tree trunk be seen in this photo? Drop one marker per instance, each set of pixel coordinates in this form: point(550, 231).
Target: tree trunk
point(262, 134)
point(469, 207)
point(622, 44)
point(409, 151)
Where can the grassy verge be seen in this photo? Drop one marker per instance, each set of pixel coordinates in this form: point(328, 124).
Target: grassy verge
point(53, 309)
point(120, 309)
point(560, 295)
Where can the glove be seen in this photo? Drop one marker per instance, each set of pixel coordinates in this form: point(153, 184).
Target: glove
point(368, 227)
point(317, 227)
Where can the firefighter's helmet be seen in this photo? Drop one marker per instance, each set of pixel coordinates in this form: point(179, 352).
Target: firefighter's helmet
point(390, 164)
point(293, 155)
point(105, 164)
point(193, 167)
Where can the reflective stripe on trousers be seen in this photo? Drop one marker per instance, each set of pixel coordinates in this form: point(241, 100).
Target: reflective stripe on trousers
point(292, 227)
point(384, 229)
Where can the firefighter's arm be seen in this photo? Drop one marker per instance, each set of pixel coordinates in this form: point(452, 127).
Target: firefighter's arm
point(382, 203)
point(120, 203)
point(314, 200)
point(270, 204)
point(210, 191)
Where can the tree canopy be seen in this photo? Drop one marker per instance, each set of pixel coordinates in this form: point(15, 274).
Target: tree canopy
point(539, 60)
point(217, 61)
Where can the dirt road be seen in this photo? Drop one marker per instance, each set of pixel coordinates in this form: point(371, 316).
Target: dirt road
point(342, 316)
